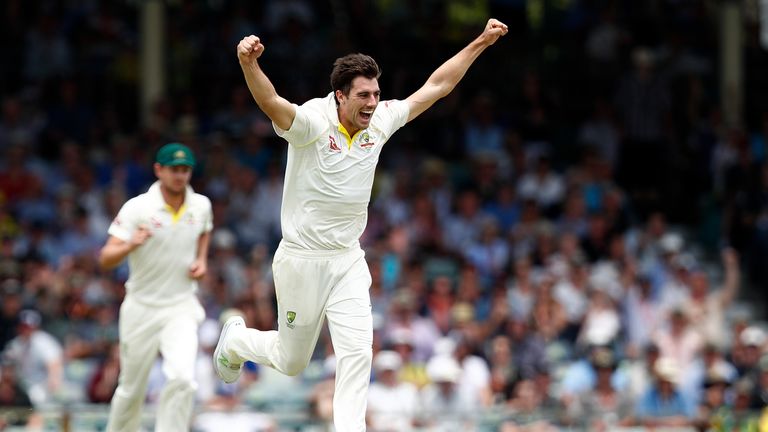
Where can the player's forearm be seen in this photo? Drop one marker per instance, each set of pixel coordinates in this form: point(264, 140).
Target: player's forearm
point(445, 78)
point(112, 254)
point(448, 75)
point(732, 275)
point(731, 283)
point(203, 243)
point(275, 107)
point(55, 375)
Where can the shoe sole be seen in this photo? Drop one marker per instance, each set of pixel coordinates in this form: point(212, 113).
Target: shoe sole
point(225, 329)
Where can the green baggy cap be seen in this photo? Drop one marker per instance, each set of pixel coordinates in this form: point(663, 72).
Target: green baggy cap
point(175, 154)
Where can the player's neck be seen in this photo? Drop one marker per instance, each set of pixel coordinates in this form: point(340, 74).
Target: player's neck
point(174, 199)
point(348, 126)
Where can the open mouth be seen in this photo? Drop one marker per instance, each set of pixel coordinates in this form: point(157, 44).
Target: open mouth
point(366, 115)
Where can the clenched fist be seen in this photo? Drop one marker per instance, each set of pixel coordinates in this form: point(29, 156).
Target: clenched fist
point(494, 29)
point(249, 49)
point(140, 236)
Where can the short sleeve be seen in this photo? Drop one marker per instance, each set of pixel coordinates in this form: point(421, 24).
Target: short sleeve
point(125, 222)
point(208, 217)
point(392, 115)
point(48, 348)
point(306, 127)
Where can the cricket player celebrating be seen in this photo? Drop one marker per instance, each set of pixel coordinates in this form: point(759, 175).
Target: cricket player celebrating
point(165, 234)
point(319, 268)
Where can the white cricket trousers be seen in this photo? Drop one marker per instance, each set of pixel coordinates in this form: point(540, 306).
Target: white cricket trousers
point(144, 331)
point(310, 286)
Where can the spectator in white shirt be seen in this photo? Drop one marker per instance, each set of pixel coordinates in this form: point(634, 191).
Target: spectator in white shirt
point(392, 404)
point(37, 357)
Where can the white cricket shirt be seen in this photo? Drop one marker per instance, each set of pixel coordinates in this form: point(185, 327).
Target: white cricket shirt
point(159, 269)
point(328, 181)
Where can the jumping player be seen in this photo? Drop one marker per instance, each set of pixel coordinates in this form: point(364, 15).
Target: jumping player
point(319, 268)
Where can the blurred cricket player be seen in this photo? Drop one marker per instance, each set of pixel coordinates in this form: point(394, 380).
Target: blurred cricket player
point(165, 234)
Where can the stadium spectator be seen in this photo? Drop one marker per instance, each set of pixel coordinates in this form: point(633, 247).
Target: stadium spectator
point(403, 315)
point(10, 307)
point(663, 405)
point(483, 136)
point(521, 292)
point(714, 408)
point(525, 410)
point(679, 341)
point(37, 358)
point(603, 407)
point(489, 253)
point(442, 406)
point(503, 372)
point(641, 313)
point(321, 397)
point(103, 382)
point(392, 403)
point(602, 324)
point(581, 374)
point(463, 225)
point(706, 308)
point(543, 185)
point(13, 397)
point(411, 371)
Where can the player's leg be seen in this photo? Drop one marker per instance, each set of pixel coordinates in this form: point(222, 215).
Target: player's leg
point(301, 286)
point(178, 346)
point(139, 341)
point(351, 326)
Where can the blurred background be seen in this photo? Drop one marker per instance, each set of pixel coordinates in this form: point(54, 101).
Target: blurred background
point(576, 238)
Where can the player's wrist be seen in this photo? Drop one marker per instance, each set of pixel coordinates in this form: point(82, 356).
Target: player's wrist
point(248, 63)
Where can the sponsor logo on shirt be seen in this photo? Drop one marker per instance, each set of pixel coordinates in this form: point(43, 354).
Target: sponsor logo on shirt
point(155, 222)
point(332, 144)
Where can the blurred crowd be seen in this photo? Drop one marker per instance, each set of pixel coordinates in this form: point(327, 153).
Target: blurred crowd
point(561, 242)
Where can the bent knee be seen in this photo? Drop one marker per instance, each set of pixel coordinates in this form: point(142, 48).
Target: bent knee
point(182, 385)
point(359, 360)
point(364, 356)
point(293, 368)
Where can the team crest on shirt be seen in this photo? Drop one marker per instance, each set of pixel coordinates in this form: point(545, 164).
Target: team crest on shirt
point(365, 142)
point(332, 146)
point(155, 222)
point(291, 316)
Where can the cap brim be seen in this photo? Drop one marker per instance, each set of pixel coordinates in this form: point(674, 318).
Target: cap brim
point(180, 163)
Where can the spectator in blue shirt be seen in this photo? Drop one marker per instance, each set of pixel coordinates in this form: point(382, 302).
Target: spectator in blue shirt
point(663, 404)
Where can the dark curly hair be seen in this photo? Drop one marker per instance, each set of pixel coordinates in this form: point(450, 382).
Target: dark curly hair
point(347, 68)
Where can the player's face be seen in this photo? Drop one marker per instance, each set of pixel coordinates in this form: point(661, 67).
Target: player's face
point(356, 108)
point(174, 178)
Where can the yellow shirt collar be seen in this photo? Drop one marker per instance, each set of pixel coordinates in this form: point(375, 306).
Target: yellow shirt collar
point(176, 215)
point(344, 132)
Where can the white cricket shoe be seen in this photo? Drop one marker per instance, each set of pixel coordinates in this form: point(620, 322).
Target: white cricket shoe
point(227, 370)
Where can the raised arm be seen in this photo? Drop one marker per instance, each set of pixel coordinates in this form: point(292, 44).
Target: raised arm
point(444, 79)
point(279, 110)
point(732, 276)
